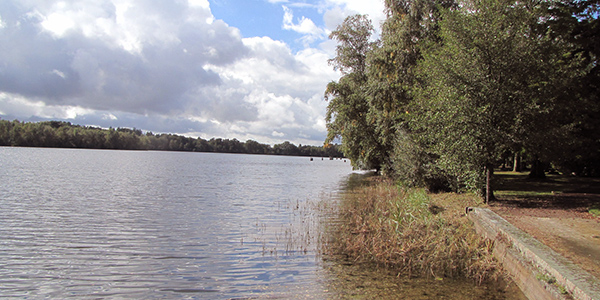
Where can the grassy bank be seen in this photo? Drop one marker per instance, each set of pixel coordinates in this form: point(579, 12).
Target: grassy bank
point(412, 233)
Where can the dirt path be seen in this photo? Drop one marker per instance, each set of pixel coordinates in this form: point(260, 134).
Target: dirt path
point(560, 221)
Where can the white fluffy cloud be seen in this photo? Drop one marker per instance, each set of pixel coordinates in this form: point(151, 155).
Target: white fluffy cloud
point(374, 9)
point(282, 91)
point(166, 66)
point(304, 26)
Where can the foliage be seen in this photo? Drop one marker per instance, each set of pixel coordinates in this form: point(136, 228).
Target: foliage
point(483, 95)
point(66, 135)
point(454, 89)
point(576, 23)
point(348, 107)
point(391, 70)
point(595, 211)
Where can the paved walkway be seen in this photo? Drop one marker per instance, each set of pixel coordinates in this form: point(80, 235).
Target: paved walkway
point(540, 271)
point(574, 233)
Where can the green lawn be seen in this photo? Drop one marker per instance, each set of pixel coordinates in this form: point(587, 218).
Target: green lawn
point(556, 191)
point(518, 183)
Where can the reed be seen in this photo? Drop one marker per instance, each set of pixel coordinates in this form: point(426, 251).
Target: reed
point(411, 233)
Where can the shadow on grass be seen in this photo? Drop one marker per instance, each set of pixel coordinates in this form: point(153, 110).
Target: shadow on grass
point(554, 192)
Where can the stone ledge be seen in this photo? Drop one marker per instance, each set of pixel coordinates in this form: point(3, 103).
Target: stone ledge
point(525, 258)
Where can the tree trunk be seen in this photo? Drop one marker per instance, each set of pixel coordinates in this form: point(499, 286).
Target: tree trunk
point(517, 162)
point(489, 192)
point(537, 169)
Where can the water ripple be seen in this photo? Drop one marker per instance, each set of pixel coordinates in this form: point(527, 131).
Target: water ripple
point(154, 225)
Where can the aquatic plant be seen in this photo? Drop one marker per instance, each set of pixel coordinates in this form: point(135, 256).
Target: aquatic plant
point(411, 232)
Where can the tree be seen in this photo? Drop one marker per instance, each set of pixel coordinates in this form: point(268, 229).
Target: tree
point(348, 105)
point(490, 85)
point(286, 148)
point(391, 76)
point(576, 24)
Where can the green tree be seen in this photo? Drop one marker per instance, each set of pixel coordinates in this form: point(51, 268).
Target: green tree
point(391, 76)
point(253, 147)
point(490, 85)
point(286, 148)
point(576, 23)
point(348, 104)
point(5, 127)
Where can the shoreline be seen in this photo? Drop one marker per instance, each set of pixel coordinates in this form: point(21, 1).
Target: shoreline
point(539, 276)
point(415, 235)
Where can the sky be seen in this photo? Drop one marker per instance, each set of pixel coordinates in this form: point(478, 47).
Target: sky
point(243, 69)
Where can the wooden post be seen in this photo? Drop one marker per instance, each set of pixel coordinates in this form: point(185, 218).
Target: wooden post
point(489, 192)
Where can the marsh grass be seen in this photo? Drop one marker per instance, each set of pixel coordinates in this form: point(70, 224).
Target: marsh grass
point(411, 233)
point(300, 234)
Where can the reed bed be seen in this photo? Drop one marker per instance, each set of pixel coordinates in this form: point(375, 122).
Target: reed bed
point(412, 233)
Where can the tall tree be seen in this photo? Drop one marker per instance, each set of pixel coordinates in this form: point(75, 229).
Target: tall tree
point(576, 23)
point(391, 71)
point(492, 84)
point(348, 105)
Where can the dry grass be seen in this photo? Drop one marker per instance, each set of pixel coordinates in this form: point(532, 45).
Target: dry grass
point(412, 233)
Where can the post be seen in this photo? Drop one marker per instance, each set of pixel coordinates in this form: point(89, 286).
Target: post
point(489, 192)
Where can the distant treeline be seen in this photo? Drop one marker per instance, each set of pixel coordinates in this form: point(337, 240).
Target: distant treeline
point(59, 134)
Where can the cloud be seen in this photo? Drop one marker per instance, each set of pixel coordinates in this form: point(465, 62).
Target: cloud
point(199, 3)
point(374, 9)
point(165, 66)
point(283, 89)
point(333, 13)
point(136, 58)
point(305, 26)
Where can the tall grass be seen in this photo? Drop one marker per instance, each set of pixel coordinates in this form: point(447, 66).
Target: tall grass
point(412, 233)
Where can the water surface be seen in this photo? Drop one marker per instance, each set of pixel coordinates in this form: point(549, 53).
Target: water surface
point(172, 225)
point(97, 223)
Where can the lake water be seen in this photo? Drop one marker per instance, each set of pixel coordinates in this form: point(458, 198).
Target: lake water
point(98, 223)
point(171, 225)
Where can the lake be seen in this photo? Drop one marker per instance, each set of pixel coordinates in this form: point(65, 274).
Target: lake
point(180, 225)
point(142, 224)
